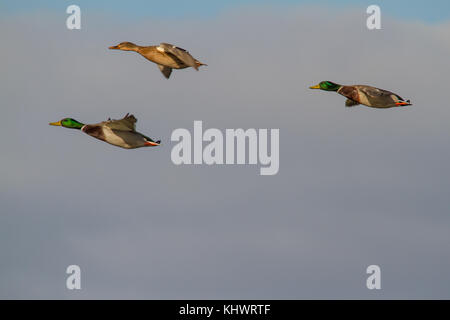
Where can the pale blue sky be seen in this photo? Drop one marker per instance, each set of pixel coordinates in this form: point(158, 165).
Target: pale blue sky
point(437, 11)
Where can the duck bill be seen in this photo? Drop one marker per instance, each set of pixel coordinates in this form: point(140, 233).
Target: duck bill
point(114, 48)
point(315, 87)
point(55, 123)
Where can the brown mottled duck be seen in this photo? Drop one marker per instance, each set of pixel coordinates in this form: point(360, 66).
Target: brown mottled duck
point(166, 56)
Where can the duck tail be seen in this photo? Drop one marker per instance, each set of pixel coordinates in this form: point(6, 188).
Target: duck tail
point(198, 63)
point(153, 143)
point(404, 103)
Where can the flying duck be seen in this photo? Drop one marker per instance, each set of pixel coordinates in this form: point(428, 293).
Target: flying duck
point(366, 95)
point(166, 56)
point(121, 133)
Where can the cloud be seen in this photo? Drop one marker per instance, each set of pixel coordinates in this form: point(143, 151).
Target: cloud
point(356, 186)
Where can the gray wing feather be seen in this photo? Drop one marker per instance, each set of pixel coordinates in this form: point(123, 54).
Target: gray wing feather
point(181, 54)
point(376, 92)
point(166, 71)
point(128, 123)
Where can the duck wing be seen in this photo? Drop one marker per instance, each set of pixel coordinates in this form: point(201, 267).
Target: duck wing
point(127, 123)
point(179, 53)
point(380, 98)
point(373, 92)
point(166, 71)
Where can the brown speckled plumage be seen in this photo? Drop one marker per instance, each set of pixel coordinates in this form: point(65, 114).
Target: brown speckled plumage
point(166, 56)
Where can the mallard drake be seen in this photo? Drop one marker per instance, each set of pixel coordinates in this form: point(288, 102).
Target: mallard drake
point(121, 133)
point(366, 95)
point(166, 56)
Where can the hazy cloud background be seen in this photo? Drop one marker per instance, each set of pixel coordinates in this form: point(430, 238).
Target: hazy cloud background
point(356, 186)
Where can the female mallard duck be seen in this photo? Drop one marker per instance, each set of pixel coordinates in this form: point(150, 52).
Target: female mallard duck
point(166, 56)
point(121, 133)
point(366, 95)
